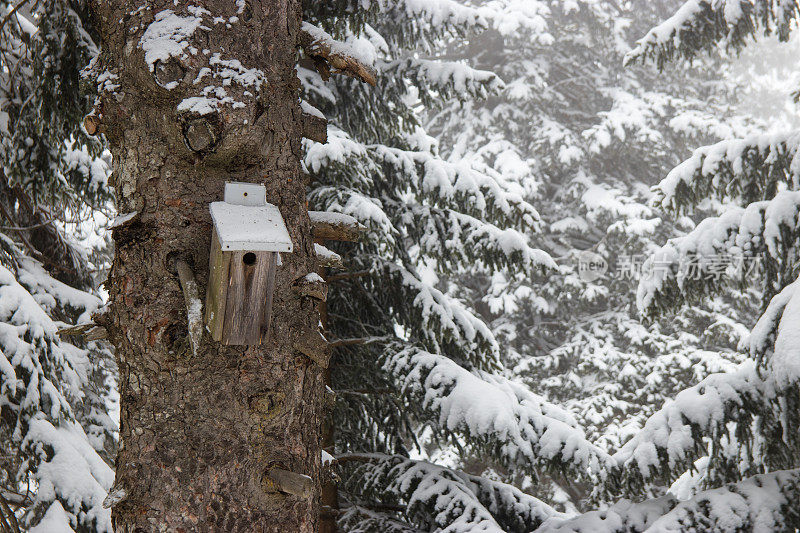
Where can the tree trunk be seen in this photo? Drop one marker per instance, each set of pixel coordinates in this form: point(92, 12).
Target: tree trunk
point(208, 442)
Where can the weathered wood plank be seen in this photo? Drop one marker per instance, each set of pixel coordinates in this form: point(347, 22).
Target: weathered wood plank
point(217, 291)
point(272, 258)
point(247, 297)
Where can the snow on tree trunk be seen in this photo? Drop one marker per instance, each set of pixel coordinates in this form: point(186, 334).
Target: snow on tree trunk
point(193, 97)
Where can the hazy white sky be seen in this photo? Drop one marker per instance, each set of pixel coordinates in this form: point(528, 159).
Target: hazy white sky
point(772, 71)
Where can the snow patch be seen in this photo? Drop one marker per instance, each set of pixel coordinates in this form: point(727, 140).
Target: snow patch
point(785, 362)
point(326, 255)
point(121, 220)
point(167, 36)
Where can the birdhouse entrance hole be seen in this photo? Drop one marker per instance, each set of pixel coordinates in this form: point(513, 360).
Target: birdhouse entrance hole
point(249, 259)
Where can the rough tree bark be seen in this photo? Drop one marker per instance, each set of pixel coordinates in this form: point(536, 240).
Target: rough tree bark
point(208, 442)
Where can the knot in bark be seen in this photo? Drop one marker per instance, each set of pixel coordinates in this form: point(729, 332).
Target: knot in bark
point(267, 405)
point(200, 135)
point(247, 13)
point(168, 73)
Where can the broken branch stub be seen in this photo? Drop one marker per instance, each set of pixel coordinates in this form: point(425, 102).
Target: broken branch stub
point(168, 74)
point(312, 288)
point(89, 331)
point(292, 483)
point(96, 333)
point(327, 226)
point(318, 45)
point(93, 125)
point(78, 330)
point(315, 128)
point(194, 306)
point(314, 346)
point(327, 258)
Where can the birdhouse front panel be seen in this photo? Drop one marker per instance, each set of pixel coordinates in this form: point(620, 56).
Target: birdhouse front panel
point(251, 282)
point(248, 235)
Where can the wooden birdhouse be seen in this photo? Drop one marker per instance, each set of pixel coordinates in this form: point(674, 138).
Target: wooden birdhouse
point(248, 235)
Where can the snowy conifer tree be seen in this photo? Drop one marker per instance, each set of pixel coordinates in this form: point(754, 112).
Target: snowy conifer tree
point(586, 138)
point(743, 422)
point(57, 436)
point(411, 359)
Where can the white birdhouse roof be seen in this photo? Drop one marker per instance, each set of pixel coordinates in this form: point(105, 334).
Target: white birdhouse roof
point(249, 227)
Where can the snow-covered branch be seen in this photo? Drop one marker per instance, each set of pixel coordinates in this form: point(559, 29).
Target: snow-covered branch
point(689, 266)
point(749, 169)
point(670, 440)
point(448, 78)
point(40, 377)
point(521, 428)
point(762, 503)
point(702, 24)
point(449, 500)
